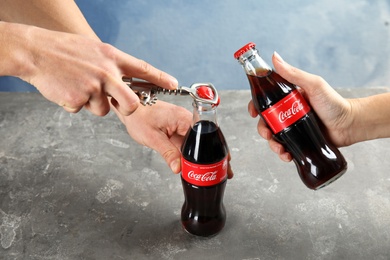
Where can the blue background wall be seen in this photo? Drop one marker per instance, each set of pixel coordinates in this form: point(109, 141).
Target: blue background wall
point(346, 42)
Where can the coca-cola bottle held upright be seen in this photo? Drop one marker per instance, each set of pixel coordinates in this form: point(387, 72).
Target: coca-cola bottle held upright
point(204, 173)
point(292, 121)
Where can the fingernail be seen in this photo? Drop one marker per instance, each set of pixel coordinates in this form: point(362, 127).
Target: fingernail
point(175, 165)
point(174, 82)
point(286, 157)
point(278, 58)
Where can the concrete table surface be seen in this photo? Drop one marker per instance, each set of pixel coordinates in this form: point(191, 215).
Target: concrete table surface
point(76, 186)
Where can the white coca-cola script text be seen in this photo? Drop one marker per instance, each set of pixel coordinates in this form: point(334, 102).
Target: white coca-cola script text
point(294, 109)
point(206, 177)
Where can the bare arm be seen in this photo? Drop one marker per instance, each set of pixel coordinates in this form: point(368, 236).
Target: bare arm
point(371, 118)
point(64, 15)
point(76, 71)
point(68, 68)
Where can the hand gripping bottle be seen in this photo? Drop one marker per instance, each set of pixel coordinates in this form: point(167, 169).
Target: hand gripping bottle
point(292, 121)
point(204, 173)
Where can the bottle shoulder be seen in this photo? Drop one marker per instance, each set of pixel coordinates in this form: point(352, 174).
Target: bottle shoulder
point(204, 143)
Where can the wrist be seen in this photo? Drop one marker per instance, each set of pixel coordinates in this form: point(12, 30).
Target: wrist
point(371, 118)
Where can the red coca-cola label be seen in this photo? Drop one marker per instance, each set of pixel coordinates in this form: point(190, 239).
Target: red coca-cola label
point(286, 112)
point(204, 174)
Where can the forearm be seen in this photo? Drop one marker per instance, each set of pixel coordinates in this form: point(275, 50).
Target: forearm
point(59, 15)
point(15, 58)
point(371, 117)
point(15, 39)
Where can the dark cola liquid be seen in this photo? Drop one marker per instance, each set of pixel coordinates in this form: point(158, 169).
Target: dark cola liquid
point(318, 161)
point(203, 212)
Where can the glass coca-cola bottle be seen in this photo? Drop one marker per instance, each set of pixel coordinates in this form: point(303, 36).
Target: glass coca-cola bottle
point(204, 173)
point(292, 121)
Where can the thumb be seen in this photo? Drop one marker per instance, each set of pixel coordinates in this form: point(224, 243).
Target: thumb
point(294, 75)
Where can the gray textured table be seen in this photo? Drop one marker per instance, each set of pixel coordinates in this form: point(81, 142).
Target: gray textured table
point(75, 186)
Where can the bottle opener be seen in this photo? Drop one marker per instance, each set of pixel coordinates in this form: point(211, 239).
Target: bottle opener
point(147, 91)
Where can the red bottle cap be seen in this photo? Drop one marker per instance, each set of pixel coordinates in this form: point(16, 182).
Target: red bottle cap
point(244, 49)
point(219, 101)
point(205, 92)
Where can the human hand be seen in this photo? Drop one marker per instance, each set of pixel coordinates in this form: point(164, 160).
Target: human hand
point(332, 109)
point(74, 71)
point(162, 127)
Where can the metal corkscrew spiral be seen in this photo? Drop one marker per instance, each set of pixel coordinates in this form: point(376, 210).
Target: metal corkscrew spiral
point(147, 91)
point(175, 92)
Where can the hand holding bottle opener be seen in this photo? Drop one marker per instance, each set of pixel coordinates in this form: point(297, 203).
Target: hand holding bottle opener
point(147, 91)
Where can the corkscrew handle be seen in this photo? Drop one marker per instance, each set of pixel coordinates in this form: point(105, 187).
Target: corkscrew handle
point(147, 91)
point(143, 89)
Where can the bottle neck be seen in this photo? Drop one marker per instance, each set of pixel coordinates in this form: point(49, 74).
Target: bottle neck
point(253, 64)
point(204, 112)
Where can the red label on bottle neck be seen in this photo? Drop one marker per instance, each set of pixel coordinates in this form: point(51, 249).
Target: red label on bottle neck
point(286, 112)
point(204, 174)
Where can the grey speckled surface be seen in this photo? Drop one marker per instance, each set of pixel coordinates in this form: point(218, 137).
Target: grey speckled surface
point(75, 186)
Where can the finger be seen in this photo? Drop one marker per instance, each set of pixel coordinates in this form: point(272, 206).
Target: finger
point(98, 105)
point(294, 75)
point(173, 160)
point(169, 152)
point(279, 150)
point(119, 115)
point(252, 110)
point(230, 173)
point(72, 110)
point(177, 140)
point(137, 68)
point(263, 130)
point(286, 157)
point(126, 101)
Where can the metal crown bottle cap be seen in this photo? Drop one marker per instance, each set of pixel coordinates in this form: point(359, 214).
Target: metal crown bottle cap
point(244, 49)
